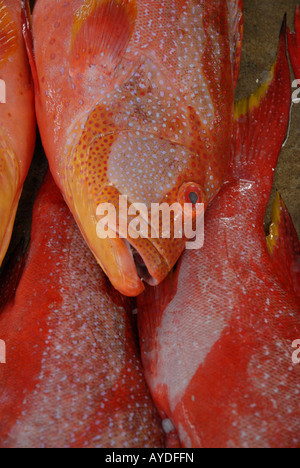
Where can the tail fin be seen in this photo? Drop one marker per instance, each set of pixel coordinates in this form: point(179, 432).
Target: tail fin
point(294, 44)
point(260, 126)
point(284, 246)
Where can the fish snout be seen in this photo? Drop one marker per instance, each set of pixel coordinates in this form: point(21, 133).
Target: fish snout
point(136, 259)
point(147, 241)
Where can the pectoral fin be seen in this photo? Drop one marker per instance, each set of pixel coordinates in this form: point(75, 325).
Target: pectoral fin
point(101, 32)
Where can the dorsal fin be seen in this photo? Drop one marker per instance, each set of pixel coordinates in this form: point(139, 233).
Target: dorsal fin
point(284, 246)
point(8, 34)
point(260, 127)
point(236, 24)
point(101, 32)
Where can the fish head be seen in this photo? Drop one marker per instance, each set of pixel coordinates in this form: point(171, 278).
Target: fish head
point(131, 106)
point(122, 179)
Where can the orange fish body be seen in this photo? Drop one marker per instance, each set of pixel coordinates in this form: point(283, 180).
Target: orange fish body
point(17, 117)
point(217, 336)
point(135, 98)
point(73, 376)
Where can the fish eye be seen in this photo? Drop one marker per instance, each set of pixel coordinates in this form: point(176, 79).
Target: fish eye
point(190, 193)
point(193, 198)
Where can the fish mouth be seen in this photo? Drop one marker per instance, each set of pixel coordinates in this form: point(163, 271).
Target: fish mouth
point(129, 262)
point(132, 268)
point(141, 267)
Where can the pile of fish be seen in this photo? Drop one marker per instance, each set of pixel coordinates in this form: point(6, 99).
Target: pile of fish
point(158, 346)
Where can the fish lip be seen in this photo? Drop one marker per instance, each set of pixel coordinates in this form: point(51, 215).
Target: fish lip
point(149, 272)
point(141, 267)
point(126, 274)
point(143, 270)
point(122, 274)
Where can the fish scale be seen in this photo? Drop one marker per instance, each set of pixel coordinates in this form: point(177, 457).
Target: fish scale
point(160, 77)
point(73, 376)
point(216, 336)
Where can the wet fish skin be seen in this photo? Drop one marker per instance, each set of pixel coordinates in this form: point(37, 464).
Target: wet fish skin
point(73, 376)
point(17, 117)
point(136, 98)
point(216, 336)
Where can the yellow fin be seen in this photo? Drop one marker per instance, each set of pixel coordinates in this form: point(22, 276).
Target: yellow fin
point(276, 218)
point(246, 105)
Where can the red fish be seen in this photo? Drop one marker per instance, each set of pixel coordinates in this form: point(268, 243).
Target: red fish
point(294, 44)
point(135, 98)
point(73, 376)
point(17, 117)
point(217, 335)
